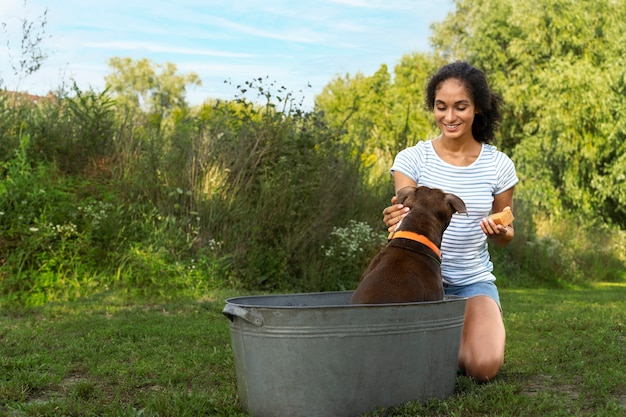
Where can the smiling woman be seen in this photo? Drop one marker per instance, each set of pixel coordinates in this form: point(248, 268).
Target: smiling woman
point(460, 161)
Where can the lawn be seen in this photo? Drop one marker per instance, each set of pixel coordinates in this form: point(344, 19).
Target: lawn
point(111, 356)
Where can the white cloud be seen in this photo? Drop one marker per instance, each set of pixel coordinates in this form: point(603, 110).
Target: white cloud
point(382, 4)
point(292, 42)
point(155, 47)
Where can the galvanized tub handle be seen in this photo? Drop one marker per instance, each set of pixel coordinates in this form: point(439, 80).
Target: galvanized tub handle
point(250, 316)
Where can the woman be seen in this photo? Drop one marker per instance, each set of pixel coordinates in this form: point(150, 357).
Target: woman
point(461, 162)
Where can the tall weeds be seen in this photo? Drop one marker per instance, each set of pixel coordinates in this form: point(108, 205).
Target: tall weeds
point(560, 251)
point(229, 194)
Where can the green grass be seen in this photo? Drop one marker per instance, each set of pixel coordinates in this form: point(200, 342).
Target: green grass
point(110, 356)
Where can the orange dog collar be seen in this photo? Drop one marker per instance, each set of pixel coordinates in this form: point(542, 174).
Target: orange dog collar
point(416, 237)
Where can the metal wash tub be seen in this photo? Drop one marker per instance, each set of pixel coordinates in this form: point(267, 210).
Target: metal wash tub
point(317, 355)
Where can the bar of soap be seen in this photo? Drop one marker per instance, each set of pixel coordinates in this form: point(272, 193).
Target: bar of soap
point(504, 218)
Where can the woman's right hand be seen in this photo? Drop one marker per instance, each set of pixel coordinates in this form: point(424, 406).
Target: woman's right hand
point(393, 214)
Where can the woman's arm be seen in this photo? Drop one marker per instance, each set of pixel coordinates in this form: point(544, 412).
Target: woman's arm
point(394, 213)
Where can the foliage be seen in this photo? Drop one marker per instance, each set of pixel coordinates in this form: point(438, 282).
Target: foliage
point(52, 240)
point(291, 172)
point(559, 252)
point(229, 194)
point(349, 251)
point(129, 188)
point(379, 116)
point(559, 65)
point(93, 125)
point(70, 132)
point(137, 85)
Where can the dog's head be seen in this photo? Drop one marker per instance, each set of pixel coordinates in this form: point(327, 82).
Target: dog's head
point(431, 210)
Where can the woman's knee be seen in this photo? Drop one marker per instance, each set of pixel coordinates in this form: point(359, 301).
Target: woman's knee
point(482, 369)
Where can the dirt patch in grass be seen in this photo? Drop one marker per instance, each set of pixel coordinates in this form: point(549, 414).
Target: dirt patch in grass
point(64, 387)
point(538, 384)
point(544, 383)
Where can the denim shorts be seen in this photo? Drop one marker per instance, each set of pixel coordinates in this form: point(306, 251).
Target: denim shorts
point(487, 288)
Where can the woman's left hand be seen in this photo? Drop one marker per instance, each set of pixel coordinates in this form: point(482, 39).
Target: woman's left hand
point(491, 229)
point(500, 235)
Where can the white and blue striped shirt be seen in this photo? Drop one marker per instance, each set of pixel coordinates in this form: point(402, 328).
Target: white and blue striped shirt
point(464, 246)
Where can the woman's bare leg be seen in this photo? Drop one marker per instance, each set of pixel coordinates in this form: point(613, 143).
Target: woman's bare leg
point(482, 344)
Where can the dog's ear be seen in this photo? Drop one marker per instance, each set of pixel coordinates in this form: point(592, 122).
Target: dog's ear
point(456, 203)
point(403, 193)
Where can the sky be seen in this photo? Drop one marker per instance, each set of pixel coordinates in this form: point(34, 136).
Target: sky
point(301, 45)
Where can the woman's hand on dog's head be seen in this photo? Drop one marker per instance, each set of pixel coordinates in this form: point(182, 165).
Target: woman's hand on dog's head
point(393, 214)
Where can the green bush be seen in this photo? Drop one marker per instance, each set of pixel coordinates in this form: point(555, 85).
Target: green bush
point(228, 195)
point(559, 251)
point(225, 195)
point(287, 183)
point(348, 252)
point(40, 244)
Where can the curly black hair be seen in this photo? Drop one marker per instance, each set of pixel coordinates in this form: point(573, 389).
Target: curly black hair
point(486, 101)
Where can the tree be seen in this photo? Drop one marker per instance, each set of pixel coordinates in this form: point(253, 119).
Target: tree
point(138, 85)
point(357, 106)
point(380, 114)
point(559, 66)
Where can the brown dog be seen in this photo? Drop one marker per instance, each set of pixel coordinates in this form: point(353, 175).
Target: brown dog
point(408, 269)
